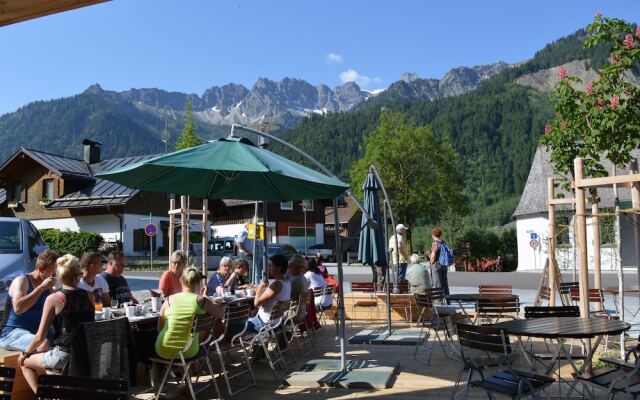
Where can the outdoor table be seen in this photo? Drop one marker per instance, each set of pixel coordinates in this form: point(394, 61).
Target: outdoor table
point(614, 291)
point(470, 298)
point(558, 330)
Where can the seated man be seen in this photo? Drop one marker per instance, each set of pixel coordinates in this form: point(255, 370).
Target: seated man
point(23, 309)
point(418, 276)
point(222, 278)
point(299, 284)
point(91, 264)
point(118, 286)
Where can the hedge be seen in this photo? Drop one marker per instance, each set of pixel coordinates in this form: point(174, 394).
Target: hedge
point(76, 243)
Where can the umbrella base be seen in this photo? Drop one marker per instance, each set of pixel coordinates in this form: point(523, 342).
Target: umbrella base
point(407, 336)
point(360, 374)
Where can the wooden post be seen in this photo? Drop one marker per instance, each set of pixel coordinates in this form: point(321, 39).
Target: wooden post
point(581, 231)
point(205, 235)
point(552, 243)
point(184, 240)
point(172, 226)
point(595, 224)
point(635, 203)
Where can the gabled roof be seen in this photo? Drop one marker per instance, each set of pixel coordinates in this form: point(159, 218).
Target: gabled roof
point(100, 192)
point(534, 195)
point(64, 167)
point(347, 210)
point(13, 11)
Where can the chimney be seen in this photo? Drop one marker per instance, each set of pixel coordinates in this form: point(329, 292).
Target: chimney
point(91, 151)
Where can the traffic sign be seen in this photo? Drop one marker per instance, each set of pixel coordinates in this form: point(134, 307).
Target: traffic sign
point(534, 244)
point(145, 218)
point(151, 230)
point(533, 236)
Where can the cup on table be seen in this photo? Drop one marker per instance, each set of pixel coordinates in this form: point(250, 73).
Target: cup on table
point(130, 311)
point(155, 304)
point(107, 312)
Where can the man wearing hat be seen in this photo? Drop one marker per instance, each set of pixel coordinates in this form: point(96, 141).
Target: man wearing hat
point(299, 284)
point(402, 251)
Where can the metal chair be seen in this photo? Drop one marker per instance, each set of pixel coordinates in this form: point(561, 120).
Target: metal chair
point(202, 327)
point(80, 388)
point(495, 350)
point(321, 292)
point(268, 336)
point(297, 324)
point(489, 311)
point(369, 303)
point(498, 290)
point(231, 342)
point(431, 320)
point(7, 375)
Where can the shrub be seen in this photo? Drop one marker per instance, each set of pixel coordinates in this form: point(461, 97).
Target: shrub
point(75, 243)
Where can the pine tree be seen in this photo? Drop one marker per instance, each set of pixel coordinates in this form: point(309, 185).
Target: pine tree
point(188, 137)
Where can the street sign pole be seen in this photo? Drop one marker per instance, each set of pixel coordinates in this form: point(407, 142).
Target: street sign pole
point(151, 230)
point(150, 247)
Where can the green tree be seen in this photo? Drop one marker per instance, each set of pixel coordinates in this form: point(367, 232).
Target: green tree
point(603, 120)
point(188, 137)
point(419, 172)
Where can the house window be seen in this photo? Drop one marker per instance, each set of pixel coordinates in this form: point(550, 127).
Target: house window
point(47, 190)
point(19, 192)
point(307, 205)
point(286, 205)
point(141, 241)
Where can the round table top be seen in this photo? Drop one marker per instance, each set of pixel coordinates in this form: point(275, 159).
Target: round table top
point(563, 327)
point(474, 296)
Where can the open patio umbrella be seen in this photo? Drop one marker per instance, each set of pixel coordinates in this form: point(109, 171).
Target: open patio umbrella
point(231, 168)
point(372, 247)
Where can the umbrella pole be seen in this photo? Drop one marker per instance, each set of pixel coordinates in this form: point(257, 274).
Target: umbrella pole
point(256, 230)
point(342, 334)
point(265, 255)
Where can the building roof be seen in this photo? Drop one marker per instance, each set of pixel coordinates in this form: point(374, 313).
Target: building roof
point(534, 195)
point(100, 192)
point(346, 211)
point(64, 167)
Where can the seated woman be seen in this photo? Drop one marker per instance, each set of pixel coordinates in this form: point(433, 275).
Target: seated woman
point(218, 281)
point(177, 315)
point(66, 310)
point(170, 279)
point(316, 280)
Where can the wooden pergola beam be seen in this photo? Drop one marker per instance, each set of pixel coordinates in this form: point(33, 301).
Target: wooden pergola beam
point(557, 202)
point(607, 181)
point(14, 11)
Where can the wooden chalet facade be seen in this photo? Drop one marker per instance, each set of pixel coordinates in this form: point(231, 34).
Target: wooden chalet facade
point(56, 192)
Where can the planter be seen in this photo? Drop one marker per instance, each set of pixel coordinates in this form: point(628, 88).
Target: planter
point(13, 205)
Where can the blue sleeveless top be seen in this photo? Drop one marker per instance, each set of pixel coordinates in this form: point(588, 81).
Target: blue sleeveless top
point(30, 319)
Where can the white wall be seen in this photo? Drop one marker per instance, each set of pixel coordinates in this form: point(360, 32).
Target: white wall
point(132, 222)
point(106, 225)
point(528, 259)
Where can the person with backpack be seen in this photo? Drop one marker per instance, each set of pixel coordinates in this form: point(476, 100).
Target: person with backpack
point(441, 256)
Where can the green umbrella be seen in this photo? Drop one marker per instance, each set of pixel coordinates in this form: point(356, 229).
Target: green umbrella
point(231, 168)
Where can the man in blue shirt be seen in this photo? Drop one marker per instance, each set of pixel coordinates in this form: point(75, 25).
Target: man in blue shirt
point(222, 278)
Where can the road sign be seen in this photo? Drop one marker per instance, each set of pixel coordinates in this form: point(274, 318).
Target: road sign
point(534, 244)
point(533, 236)
point(145, 218)
point(151, 230)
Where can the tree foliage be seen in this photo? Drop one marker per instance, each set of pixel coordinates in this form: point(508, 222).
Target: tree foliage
point(602, 121)
point(419, 172)
point(67, 242)
point(188, 137)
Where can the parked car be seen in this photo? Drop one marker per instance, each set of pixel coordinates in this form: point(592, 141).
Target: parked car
point(324, 250)
point(20, 245)
point(281, 249)
point(217, 248)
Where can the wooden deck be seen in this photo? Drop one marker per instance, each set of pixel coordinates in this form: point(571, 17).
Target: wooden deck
point(414, 381)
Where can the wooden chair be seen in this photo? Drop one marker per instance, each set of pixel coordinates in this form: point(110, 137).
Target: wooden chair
point(7, 376)
point(203, 326)
point(489, 311)
point(430, 320)
point(492, 341)
point(545, 294)
point(498, 290)
point(403, 287)
point(596, 297)
point(369, 303)
point(565, 292)
point(231, 342)
point(80, 388)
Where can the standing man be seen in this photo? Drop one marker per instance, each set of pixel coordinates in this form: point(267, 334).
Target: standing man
point(402, 250)
point(91, 264)
point(118, 286)
point(436, 247)
point(25, 304)
point(245, 250)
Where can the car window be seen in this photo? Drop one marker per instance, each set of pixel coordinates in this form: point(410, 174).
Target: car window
point(36, 233)
point(229, 245)
point(10, 237)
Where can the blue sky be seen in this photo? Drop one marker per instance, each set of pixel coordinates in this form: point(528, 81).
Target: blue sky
point(191, 45)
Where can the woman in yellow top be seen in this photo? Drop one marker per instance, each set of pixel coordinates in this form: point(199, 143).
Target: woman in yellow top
point(177, 315)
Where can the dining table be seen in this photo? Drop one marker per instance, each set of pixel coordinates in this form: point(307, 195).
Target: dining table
point(470, 298)
point(558, 330)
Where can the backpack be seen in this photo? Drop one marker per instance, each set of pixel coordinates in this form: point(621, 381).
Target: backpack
point(446, 256)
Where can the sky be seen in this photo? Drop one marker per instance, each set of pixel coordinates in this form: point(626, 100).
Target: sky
point(189, 46)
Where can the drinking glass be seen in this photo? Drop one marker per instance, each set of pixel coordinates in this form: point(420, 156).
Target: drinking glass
point(98, 306)
point(114, 303)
